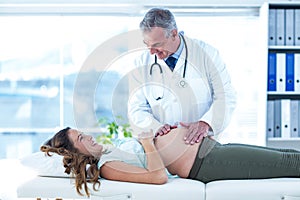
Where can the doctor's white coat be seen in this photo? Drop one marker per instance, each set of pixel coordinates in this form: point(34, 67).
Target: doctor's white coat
point(158, 99)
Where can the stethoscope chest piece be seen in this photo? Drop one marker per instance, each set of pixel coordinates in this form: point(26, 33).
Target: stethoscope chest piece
point(182, 83)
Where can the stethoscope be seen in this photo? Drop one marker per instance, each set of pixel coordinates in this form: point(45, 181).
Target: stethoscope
point(182, 83)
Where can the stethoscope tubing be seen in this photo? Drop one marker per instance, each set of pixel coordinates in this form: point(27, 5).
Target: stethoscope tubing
point(160, 68)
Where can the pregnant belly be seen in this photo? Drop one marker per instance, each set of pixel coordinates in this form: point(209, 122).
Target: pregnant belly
point(177, 156)
point(182, 166)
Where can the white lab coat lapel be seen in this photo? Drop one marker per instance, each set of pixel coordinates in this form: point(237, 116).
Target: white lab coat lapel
point(180, 63)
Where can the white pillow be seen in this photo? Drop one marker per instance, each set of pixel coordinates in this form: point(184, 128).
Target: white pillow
point(44, 165)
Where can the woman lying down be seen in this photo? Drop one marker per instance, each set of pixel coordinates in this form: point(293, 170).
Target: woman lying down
point(205, 161)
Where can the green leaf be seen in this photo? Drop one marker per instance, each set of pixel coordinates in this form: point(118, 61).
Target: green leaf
point(113, 128)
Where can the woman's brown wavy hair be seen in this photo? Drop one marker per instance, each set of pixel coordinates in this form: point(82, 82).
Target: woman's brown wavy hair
point(74, 162)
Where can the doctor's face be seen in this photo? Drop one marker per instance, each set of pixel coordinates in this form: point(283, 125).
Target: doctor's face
point(158, 43)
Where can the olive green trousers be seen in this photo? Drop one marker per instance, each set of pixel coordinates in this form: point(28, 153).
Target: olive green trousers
point(217, 161)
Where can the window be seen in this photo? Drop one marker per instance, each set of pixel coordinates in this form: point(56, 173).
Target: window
point(41, 56)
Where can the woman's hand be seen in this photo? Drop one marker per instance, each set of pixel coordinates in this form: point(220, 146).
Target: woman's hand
point(153, 173)
point(165, 129)
point(146, 136)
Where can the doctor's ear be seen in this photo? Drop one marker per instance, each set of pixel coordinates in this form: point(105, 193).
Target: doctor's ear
point(174, 33)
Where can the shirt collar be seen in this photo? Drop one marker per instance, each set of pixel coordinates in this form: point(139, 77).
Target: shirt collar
point(179, 50)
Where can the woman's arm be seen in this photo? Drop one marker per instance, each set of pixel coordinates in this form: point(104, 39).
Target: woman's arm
point(154, 174)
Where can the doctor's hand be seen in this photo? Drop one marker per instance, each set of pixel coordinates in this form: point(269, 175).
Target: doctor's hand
point(165, 129)
point(196, 131)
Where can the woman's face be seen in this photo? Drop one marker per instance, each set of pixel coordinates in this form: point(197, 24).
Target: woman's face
point(85, 143)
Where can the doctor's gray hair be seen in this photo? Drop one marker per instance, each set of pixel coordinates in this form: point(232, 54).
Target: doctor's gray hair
point(158, 17)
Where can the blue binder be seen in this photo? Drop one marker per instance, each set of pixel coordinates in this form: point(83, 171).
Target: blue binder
point(272, 72)
point(289, 72)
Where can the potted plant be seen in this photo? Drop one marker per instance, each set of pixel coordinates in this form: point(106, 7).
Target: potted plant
point(113, 130)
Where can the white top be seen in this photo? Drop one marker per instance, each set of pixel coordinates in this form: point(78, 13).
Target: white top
point(127, 150)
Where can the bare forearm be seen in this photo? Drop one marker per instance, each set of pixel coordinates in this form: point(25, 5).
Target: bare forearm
point(154, 161)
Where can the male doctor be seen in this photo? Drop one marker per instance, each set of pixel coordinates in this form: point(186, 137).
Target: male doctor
point(178, 82)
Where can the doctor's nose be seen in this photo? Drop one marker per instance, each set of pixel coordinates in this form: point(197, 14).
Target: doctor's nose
point(152, 50)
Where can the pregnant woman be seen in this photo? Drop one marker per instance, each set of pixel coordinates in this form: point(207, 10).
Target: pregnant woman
point(145, 159)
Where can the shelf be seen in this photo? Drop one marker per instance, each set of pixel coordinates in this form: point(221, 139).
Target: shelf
point(284, 93)
point(296, 139)
point(279, 109)
point(284, 143)
point(273, 47)
point(284, 4)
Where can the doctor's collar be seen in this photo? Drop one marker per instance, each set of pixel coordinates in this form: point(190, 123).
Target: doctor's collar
point(179, 50)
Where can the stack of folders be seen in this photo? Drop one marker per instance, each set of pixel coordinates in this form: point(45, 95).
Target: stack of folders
point(283, 118)
point(284, 72)
point(284, 26)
